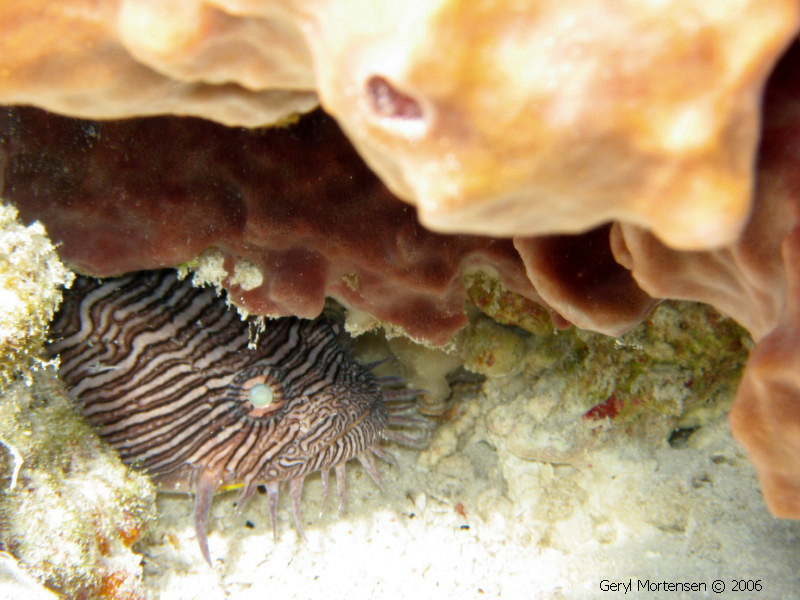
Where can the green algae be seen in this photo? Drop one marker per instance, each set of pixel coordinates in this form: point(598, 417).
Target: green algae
point(682, 364)
point(495, 300)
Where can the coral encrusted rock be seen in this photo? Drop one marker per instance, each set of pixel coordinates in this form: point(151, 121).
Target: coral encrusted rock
point(30, 278)
point(70, 511)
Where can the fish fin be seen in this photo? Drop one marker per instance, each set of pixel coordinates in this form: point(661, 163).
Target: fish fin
point(324, 474)
point(372, 365)
point(272, 497)
point(246, 493)
point(368, 462)
point(417, 443)
point(295, 490)
point(383, 454)
point(203, 494)
point(341, 484)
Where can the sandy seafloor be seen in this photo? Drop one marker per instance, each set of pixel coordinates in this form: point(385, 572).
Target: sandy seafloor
point(527, 529)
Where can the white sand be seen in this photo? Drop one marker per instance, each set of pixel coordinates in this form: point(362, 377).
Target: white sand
point(532, 530)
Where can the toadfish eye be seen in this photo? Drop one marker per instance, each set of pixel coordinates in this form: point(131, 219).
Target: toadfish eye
point(259, 391)
point(261, 395)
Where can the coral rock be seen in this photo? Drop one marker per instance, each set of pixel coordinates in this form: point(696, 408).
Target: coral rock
point(31, 276)
point(72, 510)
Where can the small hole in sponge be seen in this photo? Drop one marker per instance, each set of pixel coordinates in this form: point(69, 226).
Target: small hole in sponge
point(389, 102)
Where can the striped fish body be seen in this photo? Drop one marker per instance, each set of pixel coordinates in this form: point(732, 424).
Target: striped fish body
point(181, 386)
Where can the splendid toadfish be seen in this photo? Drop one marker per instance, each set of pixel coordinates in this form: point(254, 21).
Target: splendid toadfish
point(181, 386)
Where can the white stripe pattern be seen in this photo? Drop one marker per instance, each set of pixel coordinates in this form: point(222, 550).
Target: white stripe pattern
point(153, 362)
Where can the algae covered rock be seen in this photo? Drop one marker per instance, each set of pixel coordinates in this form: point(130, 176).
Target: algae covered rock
point(30, 278)
point(563, 393)
point(70, 511)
